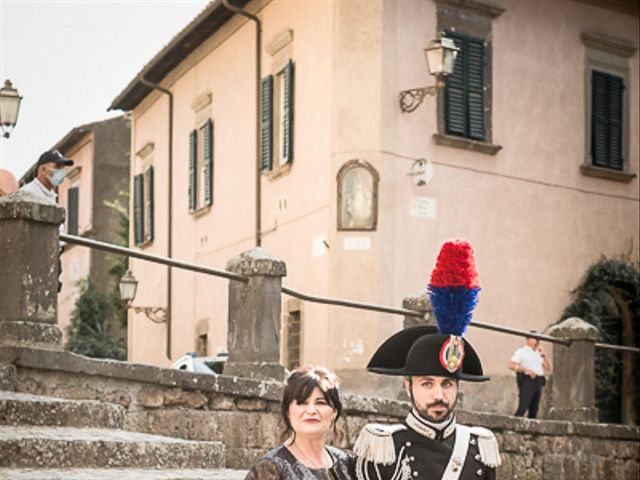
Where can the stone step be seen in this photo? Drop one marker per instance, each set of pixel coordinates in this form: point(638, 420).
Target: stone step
point(69, 447)
point(121, 474)
point(26, 409)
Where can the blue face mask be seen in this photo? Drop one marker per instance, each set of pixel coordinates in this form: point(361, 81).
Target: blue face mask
point(57, 177)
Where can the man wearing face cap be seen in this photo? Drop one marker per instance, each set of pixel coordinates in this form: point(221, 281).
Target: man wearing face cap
point(50, 173)
point(429, 444)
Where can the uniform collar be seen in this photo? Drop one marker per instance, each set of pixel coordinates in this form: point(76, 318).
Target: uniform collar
point(432, 430)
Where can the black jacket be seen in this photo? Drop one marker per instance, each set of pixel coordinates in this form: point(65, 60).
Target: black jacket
point(416, 456)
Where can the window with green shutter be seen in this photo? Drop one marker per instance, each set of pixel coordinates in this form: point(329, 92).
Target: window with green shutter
point(266, 123)
point(72, 210)
point(277, 121)
point(148, 204)
point(138, 209)
point(606, 120)
point(193, 151)
point(464, 92)
point(208, 162)
point(287, 114)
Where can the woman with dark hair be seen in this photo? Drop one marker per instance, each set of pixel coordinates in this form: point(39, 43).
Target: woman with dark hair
point(310, 407)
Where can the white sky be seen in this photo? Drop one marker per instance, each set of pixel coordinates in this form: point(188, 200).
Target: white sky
point(70, 59)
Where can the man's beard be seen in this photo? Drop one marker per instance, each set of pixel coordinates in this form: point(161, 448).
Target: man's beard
point(449, 409)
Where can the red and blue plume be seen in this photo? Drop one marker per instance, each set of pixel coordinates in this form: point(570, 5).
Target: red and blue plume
point(454, 287)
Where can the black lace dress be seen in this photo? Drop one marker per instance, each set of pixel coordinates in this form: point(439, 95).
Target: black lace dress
point(281, 464)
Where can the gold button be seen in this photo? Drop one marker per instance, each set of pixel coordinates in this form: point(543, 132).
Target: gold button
point(479, 472)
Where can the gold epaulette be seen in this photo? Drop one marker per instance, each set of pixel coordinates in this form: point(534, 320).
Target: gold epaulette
point(375, 443)
point(487, 446)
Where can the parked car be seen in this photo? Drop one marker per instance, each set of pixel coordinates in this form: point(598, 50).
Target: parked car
point(190, 362)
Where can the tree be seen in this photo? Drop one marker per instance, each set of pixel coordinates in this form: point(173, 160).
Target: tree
point(99, 320)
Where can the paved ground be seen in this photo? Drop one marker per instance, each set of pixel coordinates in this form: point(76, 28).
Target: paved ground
point(121, 474)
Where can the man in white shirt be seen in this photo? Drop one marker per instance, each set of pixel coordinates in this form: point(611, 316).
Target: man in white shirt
point(50, 173)
point(530, 363)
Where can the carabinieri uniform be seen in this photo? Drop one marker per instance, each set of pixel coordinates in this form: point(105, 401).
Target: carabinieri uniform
point(419, 448)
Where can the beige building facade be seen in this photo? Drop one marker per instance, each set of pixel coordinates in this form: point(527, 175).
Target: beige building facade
point(522, 159)
point(100, 151)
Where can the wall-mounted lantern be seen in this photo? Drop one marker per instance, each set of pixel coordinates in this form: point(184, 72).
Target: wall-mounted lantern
point(9, 107)
point(440, 56)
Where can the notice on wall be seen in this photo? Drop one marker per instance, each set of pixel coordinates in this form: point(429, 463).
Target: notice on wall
point(422, 207)
point(356, 243)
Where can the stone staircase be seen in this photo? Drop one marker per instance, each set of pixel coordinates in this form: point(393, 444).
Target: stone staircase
point(53, 438)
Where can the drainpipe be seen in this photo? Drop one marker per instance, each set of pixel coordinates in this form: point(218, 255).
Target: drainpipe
point(170, 202)
point(250, 16)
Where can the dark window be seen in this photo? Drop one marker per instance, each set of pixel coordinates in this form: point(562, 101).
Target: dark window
point(464, 92)
point(293, 340)
point(606, 120)
point(72, 210)
point(143, 207)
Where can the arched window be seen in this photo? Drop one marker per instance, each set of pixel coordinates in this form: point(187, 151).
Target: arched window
point(357, 196)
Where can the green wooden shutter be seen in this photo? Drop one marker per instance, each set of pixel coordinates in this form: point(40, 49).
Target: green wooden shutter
point(148, 230)
point(72, 210)
point(464, 92)
point(606, 120)
point(138, 210)
point(193, 151)
point(475, 88)
point(287, 114)
point(266, 121)
point(208, 162)
point(454, 99)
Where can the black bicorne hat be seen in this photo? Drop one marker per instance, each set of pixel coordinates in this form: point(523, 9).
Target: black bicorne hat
point(418, 351)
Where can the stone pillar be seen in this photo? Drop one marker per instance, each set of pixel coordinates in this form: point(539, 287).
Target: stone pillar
point(254, 316)
point(421, 303)
point(29, 252)
point(573, 395)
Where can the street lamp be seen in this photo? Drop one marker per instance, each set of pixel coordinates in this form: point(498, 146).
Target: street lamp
point(9, 106)
point(128, 287)
point(440, 56)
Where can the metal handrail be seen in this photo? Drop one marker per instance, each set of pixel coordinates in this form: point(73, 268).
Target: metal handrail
point(109, 247)
point(619, 348)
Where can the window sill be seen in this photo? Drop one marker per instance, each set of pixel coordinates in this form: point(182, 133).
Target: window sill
point(277, 172)
point(466, 144)
point(201, 211)
point(608, 174)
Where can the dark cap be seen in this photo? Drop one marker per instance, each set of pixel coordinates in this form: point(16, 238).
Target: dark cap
point(54, 156)
point(417, 351)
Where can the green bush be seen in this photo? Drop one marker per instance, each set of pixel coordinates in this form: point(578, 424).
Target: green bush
point(609, 285)
point(89, 333)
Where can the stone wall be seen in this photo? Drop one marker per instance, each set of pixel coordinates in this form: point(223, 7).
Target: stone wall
point(243, 413)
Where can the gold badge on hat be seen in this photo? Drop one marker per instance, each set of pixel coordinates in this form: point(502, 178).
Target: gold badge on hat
point(452, 353)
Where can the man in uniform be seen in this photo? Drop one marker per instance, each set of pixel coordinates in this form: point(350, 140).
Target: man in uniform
point(429, 444)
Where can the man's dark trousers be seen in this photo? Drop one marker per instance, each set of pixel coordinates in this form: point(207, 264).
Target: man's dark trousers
point(530, 394)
